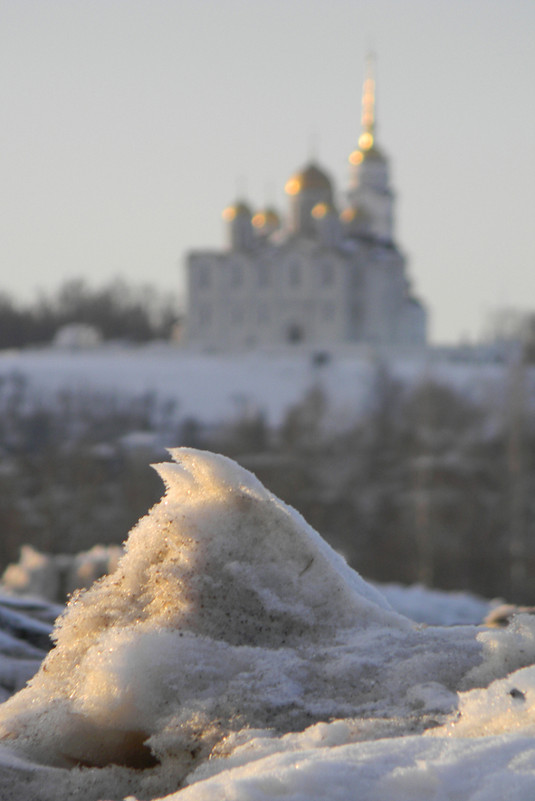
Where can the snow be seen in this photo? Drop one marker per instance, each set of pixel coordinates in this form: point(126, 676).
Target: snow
point(54, 577)
point(401, 769)
point(507, 705)
point(233, 655)
point(437, 607)
point(213, 388)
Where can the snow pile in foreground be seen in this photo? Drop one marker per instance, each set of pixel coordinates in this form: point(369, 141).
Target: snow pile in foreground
point(231, 630)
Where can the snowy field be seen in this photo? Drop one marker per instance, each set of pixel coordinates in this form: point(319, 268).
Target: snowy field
point(216, 388)
point(232, 655)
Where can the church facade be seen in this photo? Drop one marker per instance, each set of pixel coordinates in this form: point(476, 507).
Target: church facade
point(327, 273)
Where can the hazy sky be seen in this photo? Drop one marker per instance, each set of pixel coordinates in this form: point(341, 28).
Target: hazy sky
point(128, 125)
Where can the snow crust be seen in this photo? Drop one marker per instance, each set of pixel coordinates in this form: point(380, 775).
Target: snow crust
point(233, 655)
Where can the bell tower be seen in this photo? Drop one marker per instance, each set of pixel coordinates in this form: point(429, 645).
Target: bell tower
point(370, 195)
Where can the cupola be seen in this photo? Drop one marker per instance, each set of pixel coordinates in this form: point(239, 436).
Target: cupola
point(239, 219)
point(306, 189)
point(265, 222)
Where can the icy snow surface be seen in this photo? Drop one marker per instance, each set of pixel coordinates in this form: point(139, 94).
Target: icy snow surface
point(234, 655)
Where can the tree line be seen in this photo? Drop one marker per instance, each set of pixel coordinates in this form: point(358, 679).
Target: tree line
point(116, 310)
point(429, 487)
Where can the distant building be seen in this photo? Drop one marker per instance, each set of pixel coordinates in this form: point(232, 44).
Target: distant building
point(327, 273)
point(77, 336)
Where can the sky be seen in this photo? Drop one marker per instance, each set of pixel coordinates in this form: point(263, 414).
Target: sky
point(129, 125)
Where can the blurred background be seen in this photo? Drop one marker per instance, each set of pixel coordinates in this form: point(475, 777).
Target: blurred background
point(128, 128)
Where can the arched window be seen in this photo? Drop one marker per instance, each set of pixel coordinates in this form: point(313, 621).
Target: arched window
point(205, 315)
point(294, 333)
point(328, 310)
point(236, 275)
point(294, 273)
point(263, 313)
point(203, 276)
point(327, 273)
point(264, 274)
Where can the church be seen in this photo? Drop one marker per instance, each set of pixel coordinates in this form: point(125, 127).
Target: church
point(328, 272)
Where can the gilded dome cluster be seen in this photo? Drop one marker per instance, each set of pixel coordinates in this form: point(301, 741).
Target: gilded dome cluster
point(312, 207)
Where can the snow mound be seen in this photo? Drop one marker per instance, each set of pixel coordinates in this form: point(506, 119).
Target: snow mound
point(439, 607)
point(227, 615)
point(55, 577)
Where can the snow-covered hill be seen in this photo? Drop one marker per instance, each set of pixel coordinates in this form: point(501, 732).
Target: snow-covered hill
point(215, 388)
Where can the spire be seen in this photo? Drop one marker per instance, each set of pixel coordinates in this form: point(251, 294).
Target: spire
point(369, 195)
point(366, 139)
point(367, 136)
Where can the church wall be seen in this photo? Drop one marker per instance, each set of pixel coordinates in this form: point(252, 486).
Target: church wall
point(295, 294)
point(415, 323)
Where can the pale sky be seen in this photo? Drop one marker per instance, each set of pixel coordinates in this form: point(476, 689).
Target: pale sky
point(128, 125)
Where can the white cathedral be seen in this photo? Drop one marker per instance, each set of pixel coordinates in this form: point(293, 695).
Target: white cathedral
point(318, 276)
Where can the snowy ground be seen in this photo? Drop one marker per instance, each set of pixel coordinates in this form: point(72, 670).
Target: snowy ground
point(233, 655)
point(215, 388)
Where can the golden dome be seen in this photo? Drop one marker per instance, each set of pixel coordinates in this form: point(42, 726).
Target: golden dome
point(354, 215)
point(374, 153)
point(356, 157)
point(311, 177)
point(239, 209)
point(268, 218)
point(348, 215)
point(366, 140)
point(322, 210)
point(363, 154)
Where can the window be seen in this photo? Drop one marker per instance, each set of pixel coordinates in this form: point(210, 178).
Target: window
point(294, 273)
point(356, 277)
point(205, 315)
point(263, 313)
point(264, 274)
point(328, 310)
point(294, 333)
point(203, 276)
point(327, 273)
point(237, 315)
point(236, 275)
